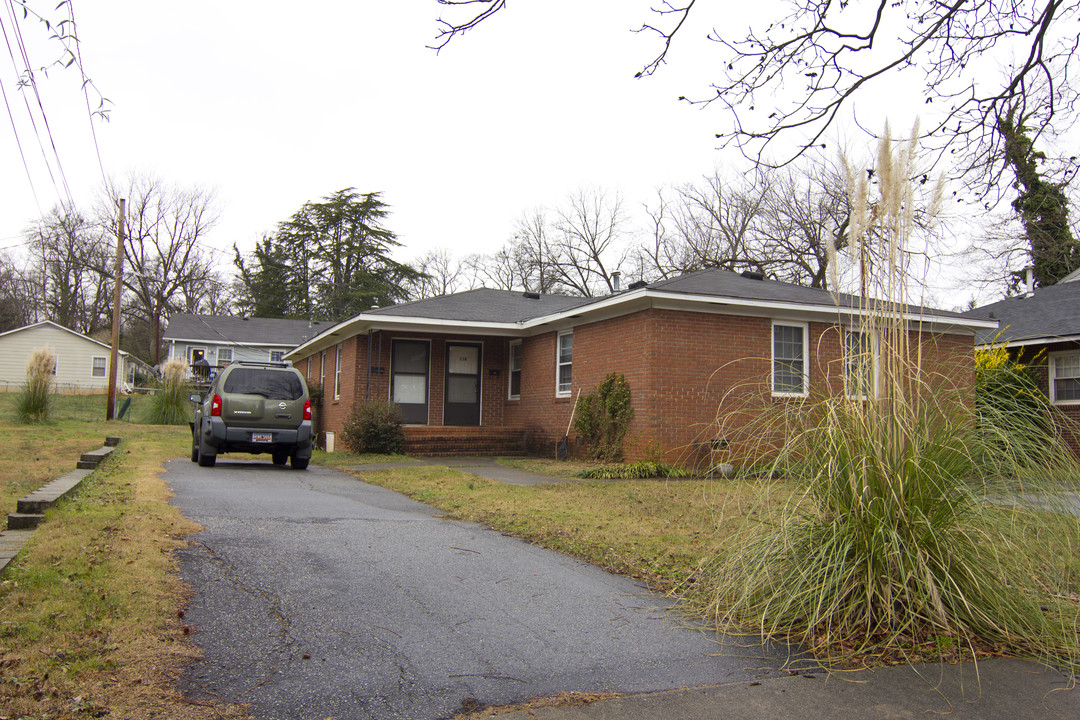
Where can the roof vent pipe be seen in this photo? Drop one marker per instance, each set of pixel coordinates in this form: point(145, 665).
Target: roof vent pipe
point(615, 278)
point(1029, 280)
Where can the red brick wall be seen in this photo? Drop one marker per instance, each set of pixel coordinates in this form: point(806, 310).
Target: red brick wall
point(685, 370)
point(1038, 359)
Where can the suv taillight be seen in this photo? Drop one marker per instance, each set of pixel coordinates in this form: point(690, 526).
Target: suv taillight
point(307, 409)
point(215, 406)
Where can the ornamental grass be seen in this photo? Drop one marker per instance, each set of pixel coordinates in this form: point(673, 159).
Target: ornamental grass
point(923, 526)
point(170, 403)
point(34, 402)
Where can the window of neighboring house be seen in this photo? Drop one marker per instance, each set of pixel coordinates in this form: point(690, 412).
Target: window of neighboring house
point(98, 367)
point(224, 356)
point(322, 369)
point(307, 368)
point(1065, 377)
point(337, 373)
point(858, 364)
point(564, 363)
point(277, 355)
point(789, 364)
point(515, 370)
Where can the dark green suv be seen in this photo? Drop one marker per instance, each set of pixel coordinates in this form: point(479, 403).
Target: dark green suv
point(254, 408)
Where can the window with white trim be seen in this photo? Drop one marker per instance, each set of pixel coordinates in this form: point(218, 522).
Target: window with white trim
point(564, 362)
point(790, 372)
point(277, 355)
point(859, 364)
point(322, 369)
point(1065, 378)
point(515, 370)
point(337, 373)
point(224, 356)
point(98, 367)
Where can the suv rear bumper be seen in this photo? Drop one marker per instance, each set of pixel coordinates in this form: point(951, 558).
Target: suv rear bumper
point(296, 441)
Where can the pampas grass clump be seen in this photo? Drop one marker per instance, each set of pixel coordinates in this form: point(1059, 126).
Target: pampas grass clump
point(914, 523)
point(170, 405)
point(34, 403)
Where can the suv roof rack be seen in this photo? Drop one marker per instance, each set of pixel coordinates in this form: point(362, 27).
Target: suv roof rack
point(259, 363)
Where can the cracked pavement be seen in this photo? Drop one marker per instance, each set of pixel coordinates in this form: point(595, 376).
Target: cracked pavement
point(316, 595)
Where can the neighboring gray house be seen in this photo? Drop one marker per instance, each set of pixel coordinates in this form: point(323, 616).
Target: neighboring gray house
point(82, 363)
point(1042, 328)
point(220, 340)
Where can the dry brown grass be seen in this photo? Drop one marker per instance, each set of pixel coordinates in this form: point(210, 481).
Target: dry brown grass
point(660, 531)
point(89, 610)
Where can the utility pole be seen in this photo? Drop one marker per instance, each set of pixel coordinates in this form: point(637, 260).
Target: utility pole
point(110, 409)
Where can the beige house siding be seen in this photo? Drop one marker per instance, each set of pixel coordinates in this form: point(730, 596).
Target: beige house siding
point(74, 353)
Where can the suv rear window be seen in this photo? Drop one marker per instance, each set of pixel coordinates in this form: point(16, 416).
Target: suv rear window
point(276, 384)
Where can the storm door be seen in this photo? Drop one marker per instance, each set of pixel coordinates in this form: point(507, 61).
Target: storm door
point(409, 381)
point(462, 405)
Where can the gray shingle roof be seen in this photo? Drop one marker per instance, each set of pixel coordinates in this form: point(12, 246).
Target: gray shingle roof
point(1051, 312)
point(724, 283)
point(484, 305)
point(248, 331)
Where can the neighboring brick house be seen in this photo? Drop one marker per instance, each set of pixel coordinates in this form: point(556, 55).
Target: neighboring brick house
point(219, 340)
point(496, 371)
point(1043, 328)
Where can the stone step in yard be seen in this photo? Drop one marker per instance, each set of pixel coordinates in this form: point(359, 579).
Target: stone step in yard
point(30, 510)
point(92, 459)
point(44, 497)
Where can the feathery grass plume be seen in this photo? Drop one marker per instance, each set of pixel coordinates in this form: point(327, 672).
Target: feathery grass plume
point(170, 404)
point(895, 539)
point(34, 402)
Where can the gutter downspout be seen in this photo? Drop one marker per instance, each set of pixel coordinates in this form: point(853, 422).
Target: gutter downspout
point(367, 391)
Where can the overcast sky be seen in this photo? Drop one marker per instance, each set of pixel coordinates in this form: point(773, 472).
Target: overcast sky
point(271, 104)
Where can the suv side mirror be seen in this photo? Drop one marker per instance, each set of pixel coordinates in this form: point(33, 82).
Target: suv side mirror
point(197, 399)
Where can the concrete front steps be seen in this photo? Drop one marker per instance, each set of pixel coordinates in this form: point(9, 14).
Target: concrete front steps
point(426, 441)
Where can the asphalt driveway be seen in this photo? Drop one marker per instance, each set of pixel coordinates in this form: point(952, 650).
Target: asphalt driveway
point(317, 595)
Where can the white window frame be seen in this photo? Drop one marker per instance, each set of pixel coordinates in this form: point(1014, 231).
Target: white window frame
point(104, 366)
point(559, 391)
point(307, 370)
point(1053, 376)
point(218, 356)
point(874, 364)
point(322, 369)
point(805, 358)
point(510, 370)
point(337, 372)
point(279, 353)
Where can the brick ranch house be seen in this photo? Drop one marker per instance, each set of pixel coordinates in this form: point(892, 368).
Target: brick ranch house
point(1042, 329)
point(490, 371)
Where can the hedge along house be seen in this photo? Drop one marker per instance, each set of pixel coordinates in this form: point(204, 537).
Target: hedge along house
point(491, 371)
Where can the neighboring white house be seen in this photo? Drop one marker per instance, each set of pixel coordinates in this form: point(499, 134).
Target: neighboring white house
point(82, 363)
point(220, 340)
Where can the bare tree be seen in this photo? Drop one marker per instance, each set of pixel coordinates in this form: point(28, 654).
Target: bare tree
point(791, 76)
point(588, 242)
point(805, 210)
point(440, 274)
point(168, 269)
point(68, 262)
point(18, 305)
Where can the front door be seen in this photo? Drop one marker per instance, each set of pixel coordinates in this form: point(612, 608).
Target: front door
point(409, 380)
point(462, 406)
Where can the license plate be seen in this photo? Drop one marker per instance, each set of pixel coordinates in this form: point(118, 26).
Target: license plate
point(262, 437)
